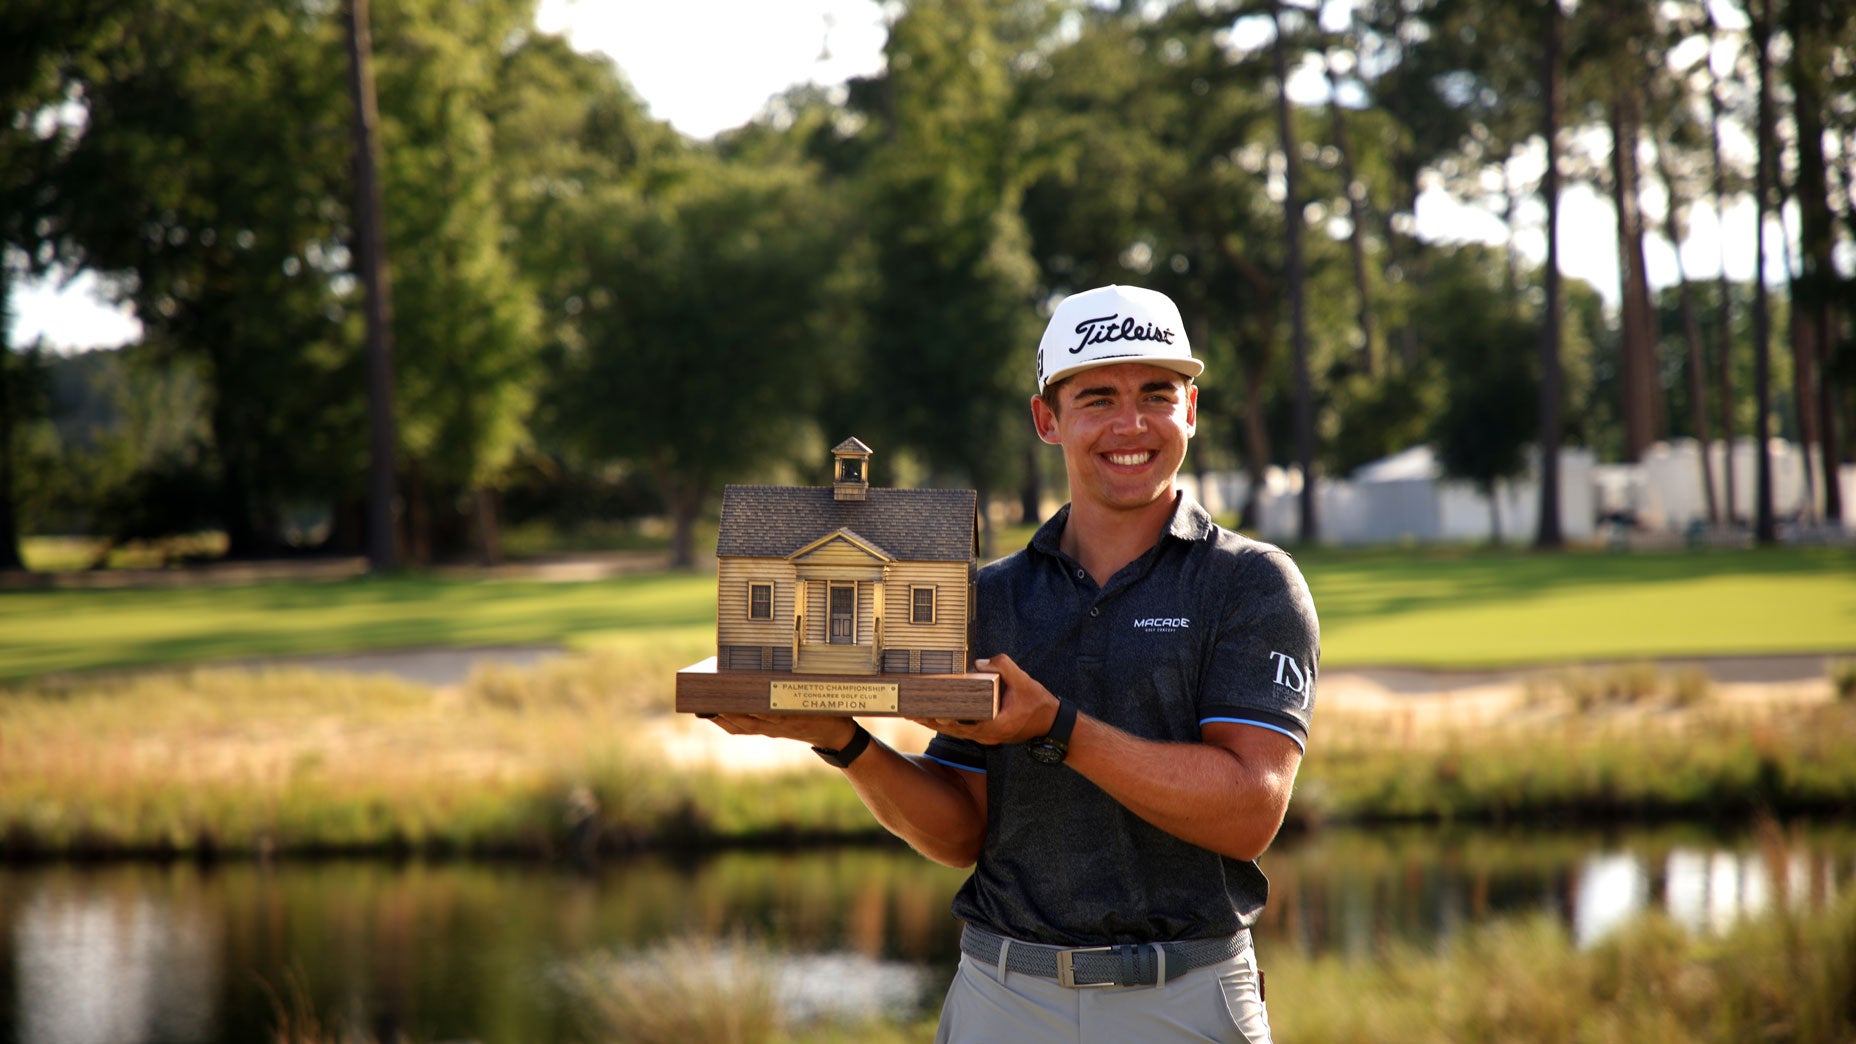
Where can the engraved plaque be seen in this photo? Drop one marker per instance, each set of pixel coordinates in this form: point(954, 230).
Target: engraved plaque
point(834, 696)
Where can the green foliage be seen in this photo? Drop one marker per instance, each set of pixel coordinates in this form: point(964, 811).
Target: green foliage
point(704, 353)
point(1376, 417)
point(465, 333)
point(868, 261)
point(230, 257)
point(951, 322)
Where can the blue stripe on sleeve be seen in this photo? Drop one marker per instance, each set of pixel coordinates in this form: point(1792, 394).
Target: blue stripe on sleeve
point(956, 764)
point(1260, 725)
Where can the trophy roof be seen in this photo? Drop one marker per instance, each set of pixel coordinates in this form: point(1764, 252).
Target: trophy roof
point(921, 525)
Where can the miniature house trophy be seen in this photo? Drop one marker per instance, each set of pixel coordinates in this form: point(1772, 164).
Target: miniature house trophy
point(843, 600)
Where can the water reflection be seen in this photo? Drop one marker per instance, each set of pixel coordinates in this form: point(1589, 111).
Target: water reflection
point(469, 951)
point(100, 968)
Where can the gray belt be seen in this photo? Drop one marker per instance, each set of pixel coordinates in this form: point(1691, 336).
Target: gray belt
point(1085, 967)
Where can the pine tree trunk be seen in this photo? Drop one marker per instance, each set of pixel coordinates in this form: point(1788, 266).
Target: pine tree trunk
point(1547, 528)
point(1691, 334)
point(1817, 273)
point(1765, 526)
point(371, 256)
point(1356, 220)
point(11, 561)
point(1310, 525)
point(1723, 305)
point(1637, 367)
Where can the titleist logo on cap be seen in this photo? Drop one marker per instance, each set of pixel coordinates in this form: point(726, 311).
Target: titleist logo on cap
point(1104, 329)
point(1114, 324)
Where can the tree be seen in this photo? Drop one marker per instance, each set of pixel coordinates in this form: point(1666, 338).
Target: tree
point(43, 45)
point(1296, 278)
point(1723, 316)
point(952, 308)
point(1547, 532)
point(21, 397)
point(370, 252)
point(1491, 395)
point(703, 348)
point(1815, 291)
point(1333, 67)
point(209, 145)
point(1765, 529)
point(466, 332)
point(1618, 64)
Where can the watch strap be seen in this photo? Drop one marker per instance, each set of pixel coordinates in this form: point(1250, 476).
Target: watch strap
point(1062, 725)
point(842, 757)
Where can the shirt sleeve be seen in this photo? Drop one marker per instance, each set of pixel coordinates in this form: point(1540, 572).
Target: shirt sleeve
point(1261, 670)
point(962, 754)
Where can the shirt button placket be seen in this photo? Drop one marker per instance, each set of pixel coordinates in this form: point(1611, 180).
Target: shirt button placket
point(1095, 636)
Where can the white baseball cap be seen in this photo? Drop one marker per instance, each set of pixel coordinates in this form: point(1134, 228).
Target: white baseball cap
point(1114, 324)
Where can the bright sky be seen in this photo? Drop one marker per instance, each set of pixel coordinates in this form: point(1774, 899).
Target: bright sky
point(709, 65)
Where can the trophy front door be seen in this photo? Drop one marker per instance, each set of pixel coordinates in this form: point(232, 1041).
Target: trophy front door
point(843, 614)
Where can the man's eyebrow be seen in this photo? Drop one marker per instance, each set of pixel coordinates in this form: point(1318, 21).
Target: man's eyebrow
point(1156, 386)
point(1085, 393)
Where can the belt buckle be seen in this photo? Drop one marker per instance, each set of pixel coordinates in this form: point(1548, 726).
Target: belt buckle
point(1066, 972)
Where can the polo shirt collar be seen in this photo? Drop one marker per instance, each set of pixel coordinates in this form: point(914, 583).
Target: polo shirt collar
point(1189, 522)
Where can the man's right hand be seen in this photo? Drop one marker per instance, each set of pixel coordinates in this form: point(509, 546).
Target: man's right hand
point(831, 733)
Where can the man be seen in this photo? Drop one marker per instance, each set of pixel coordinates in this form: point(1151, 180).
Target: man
point(1158, 674)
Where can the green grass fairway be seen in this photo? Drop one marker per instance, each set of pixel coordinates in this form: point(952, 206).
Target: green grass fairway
point(1428, 607)
point(1438, 608)
point(43, 632)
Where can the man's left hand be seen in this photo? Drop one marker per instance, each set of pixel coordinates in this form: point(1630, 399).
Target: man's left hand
point(1026, 708)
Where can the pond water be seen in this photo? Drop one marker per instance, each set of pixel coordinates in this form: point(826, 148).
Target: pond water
point(143, 953)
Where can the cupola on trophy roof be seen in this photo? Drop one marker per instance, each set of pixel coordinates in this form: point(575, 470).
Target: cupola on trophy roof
point(850, 473)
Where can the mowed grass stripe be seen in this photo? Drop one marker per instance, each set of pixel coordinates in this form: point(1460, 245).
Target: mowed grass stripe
point(54, 631)
point(1430, 608)
point(1483, 609)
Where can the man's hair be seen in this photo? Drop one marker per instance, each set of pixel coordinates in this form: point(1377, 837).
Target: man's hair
point(1054, 391)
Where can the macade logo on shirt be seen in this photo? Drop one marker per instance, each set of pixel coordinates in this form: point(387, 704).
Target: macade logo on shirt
point(1290, 675)
point(1162, 624)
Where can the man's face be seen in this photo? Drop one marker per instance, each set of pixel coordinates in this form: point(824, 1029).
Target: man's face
point(1123, 429)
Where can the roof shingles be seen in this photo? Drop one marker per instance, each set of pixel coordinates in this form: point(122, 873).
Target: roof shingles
point(920, 525)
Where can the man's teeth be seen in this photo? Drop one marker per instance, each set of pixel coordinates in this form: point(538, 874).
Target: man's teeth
point(1130, 459)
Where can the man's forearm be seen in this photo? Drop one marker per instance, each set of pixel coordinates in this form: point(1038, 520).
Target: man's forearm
point(1227, 796)
point(922, 803)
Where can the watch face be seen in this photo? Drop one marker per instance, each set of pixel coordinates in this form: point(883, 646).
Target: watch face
point(1046, 750)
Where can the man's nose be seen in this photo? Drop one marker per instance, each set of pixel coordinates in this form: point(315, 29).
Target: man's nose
point(1128, 418)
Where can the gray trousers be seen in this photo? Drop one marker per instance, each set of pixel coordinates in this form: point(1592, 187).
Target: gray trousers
point(1219, 1002)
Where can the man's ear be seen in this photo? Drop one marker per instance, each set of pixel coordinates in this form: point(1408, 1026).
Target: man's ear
point(1192, 409)
point(1044, 420)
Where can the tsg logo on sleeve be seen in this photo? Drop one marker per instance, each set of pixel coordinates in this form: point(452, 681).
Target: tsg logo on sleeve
point(1291, 676)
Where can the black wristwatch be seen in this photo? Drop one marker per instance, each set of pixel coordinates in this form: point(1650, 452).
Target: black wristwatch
point(1052, 746)
point(843, 757)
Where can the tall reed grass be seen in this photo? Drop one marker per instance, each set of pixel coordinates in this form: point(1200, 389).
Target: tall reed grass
point(546, 761)
point(1629, 744)
point(552, 761)
point(727, 991)
point(1786, 977)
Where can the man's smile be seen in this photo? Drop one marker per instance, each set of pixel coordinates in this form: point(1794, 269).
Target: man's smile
point(1130, 459)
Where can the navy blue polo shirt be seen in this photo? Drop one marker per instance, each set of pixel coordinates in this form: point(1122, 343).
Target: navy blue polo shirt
point(1207, 626)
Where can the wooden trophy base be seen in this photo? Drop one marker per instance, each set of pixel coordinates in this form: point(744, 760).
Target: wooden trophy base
point(706, 691)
